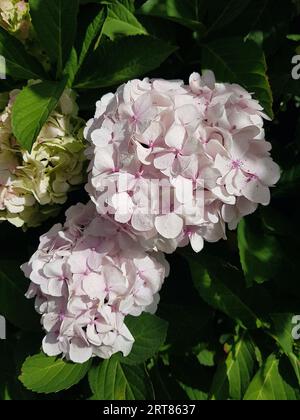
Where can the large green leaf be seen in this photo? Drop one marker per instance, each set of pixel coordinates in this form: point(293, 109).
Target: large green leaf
point(55, 23)
point(32, 109)
point(149, 333)
point(260, 253)
point(184, 12)
point(19, 65)
point(269, 384)
point(43, 374)
point(222, 12)
point(237, 61)
point(234, 375)
point(87, 41)
point(122, 60)
point(13, 304)
point(120, 21)
point(220, 285)
point(115, 381)
point(93, 33)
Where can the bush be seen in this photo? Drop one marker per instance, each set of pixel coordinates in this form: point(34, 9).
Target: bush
point(227, 325)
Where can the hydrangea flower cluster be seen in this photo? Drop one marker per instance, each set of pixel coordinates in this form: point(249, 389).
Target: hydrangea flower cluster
point(86, 276)
point(170, 165)
point(15, 18)
point(32, 185)
point(176, 163)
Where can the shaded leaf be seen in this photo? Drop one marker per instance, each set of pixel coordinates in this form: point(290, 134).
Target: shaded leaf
point(150, 333)
point(13, 304)
point(19, 65)
point(55, 24)
point(260, 253)
point(223, 12)
point(93, 33)
point(289, 182)
point(237, 61)
point(122, 60)
point(219, 286)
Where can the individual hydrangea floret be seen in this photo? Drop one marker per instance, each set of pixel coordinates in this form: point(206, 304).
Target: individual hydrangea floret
point(34, 184)
point(178, 163)
point(86, 277)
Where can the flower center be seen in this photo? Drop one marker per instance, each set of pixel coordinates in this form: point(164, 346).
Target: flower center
point(237, 164)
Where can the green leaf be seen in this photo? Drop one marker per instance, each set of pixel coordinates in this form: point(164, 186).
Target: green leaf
point(122, 60)
point(92, 377)
point(295, 362)
point(237, 61)
point(260, 253)
point(19, 65)
point(165, 385)
point(194, 394)
point(71, 68)
point(223, 12)
point(185, 13)
point(13, 304)
point(93, 32)
point(7, 367)
point(234, 375)
point(269, 384)
point(150, 333)
point(182, 318)
point(193, 378)
point(43, 374)
point(289, 183)
point(115, 381)
point(120, 21)
point(206, 357)
point(293, 37)
point(281, 331)
point(32, 109)
point(55, 24)
point(129, 4)
point(220, 285)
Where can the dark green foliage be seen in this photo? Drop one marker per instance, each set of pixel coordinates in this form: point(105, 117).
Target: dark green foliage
point(225, 321)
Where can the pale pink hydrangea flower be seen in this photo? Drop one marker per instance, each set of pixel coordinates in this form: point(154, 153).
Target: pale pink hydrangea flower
point(203, 144)
point(86, 277)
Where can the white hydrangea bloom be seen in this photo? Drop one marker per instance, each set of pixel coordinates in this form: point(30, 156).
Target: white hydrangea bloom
point(32, 184)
